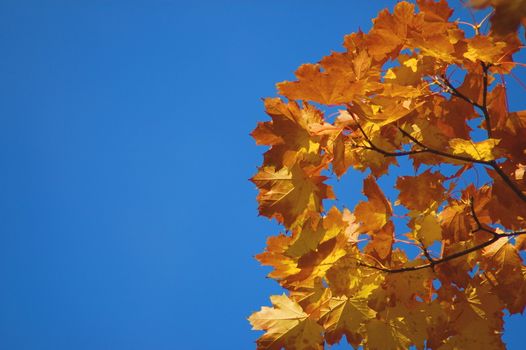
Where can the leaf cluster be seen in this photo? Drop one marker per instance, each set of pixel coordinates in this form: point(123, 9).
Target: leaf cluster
point(417, 86)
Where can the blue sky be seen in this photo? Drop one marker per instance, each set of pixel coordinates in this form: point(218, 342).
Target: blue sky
point(128, 221)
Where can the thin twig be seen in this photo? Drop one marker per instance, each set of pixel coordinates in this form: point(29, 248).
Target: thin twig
point(455, 92)
point(427, 255)
point(425, 149)
point(443, 154)
point(482, 107)
point(491, 163)
point(433, 262)
point(373, 147)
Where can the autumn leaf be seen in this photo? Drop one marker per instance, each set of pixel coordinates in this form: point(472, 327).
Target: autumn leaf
point(289, 133)
point(334, 86)
point(390, 31)
point(346, 316)
point(422, 191)
point(287, 326)
point(484, 150)
point(427, 228)
point(290, 195)
point(485, 49)
point(505, 274)
point(376, 212)
point(477, 318)
point(309, 252)
point(388, 335)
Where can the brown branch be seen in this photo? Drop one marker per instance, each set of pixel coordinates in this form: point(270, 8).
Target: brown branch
point(507, 180)
point(373, 147)
point(482, 107)
point(425, 149)
point(491, 163)
point(454, 91)
point(443, 154)
point(433, 262)
point(427, 255)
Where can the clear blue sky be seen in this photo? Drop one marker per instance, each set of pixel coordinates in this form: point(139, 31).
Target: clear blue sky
point(126, 217)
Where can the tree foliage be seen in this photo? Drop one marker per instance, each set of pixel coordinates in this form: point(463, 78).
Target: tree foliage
point(429, 91)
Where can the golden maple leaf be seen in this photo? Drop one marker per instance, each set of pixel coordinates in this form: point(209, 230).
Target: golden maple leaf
point(287, 326)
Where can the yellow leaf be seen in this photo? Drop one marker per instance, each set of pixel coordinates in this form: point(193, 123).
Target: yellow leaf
point(520, 242)
point(308, 253)
point(505, 271)
point(286, 325)
point(290, 133)
point(385, 109)
point(290, 195)
point(346, 316)
point(485, 49)
point(385, 335)
point(427, 229)
point(477, 319)
point(374, 213)
point(284, 266)
point(382, 241)
point(483, 150)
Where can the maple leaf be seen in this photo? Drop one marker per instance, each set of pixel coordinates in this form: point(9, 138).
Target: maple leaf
point(426, 228)
point(484, 49)
point(484, 150)
point(422, 191)
point(375, 213)
point(290, 195)
point(336, 85)
point(388, 335)
point(363, 157)
point(390, 31)
point(346, 316)
point(477, 319)
point(276, 257)
point(347, 278)
point(290, 133)
point(309, 252)
point(383, 110)
point(409, 287)
point(287, 326)
point(504, 271)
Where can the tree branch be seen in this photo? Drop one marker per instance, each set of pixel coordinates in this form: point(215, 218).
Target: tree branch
point(507, 180)
point(454, 91)
point(482, 107)
point(444, 154)
point(427, 255)
point(425, 149)
point(373, 147)
point(491, 163)
point(433, 262)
